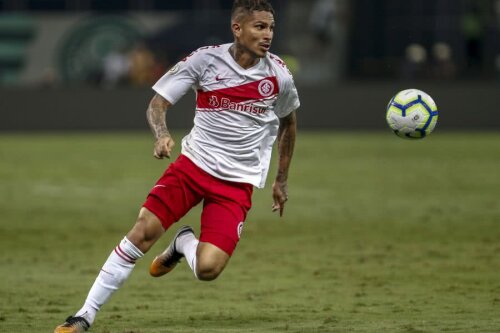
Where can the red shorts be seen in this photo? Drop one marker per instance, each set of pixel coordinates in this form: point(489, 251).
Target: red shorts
point(225, 203)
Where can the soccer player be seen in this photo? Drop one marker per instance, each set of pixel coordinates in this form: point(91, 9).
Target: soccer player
point(245, 99)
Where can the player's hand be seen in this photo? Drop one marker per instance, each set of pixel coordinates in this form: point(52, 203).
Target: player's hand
point(163, 147)
point(280, 196)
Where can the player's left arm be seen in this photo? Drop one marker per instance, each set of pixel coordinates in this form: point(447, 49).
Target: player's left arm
point(286, 143)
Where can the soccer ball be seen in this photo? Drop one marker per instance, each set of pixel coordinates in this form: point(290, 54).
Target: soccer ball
point(412, 114)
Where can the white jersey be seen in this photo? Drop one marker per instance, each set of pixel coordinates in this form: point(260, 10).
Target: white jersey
point(237, 111)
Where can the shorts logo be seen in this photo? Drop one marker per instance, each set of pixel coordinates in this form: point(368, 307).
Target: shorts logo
point(240, 229)
point(266, 88)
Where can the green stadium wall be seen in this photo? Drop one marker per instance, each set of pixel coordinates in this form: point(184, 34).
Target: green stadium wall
point(347, 106)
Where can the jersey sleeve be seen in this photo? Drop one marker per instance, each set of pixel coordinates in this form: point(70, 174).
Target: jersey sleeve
point(288, 98)
point(180, 78)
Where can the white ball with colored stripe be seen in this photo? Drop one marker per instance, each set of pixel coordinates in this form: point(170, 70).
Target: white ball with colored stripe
point(412, 114)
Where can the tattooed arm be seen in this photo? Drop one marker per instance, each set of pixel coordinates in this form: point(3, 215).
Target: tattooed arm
point(286, 143)
point(156, 114)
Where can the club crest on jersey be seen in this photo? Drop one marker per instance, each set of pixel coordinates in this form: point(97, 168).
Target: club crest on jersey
point(266, 88)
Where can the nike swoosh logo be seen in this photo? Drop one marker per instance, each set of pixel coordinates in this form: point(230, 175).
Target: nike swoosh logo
point(218, 78)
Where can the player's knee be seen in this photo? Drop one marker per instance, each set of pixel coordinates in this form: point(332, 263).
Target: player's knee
point(210, 261)
point(146, 231)
point(208, 270)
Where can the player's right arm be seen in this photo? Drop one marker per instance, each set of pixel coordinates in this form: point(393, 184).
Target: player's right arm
point(156, 114)
point(169, 89)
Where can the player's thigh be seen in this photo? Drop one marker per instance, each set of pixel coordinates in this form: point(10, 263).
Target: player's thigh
point(174, 194)
point(222, 224)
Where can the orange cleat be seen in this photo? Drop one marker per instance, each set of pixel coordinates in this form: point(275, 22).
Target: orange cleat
point(167, 261)
point(73, 325)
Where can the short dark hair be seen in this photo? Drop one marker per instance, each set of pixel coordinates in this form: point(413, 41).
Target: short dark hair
point(248, 6)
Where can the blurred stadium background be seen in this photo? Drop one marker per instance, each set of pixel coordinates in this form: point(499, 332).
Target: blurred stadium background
point(89, 64)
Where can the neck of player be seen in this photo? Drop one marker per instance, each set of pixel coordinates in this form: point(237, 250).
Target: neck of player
point(242, 56)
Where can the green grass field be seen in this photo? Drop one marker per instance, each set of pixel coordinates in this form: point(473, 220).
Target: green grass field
point(380, 235)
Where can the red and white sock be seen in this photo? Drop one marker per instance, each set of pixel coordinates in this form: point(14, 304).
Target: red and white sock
point(114, 273)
